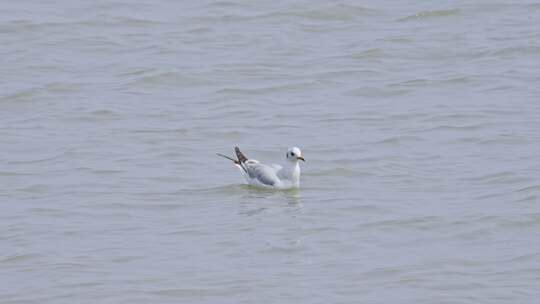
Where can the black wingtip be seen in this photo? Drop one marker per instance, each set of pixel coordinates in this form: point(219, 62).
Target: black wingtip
point(229, 158)
point(241, 157)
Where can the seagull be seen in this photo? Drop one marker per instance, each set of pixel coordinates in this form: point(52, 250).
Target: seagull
point(270, 176)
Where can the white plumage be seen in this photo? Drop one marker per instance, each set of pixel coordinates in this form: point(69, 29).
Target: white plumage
point(270, 176)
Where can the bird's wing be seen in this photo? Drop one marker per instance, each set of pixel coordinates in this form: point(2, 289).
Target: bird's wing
point(262, 173)
point(276, 167)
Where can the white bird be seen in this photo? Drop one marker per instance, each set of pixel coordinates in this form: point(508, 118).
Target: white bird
point(270, 176)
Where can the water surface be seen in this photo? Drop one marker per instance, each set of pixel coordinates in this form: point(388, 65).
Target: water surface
point(418, 121)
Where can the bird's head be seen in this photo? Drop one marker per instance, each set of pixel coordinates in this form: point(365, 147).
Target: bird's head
point(294, 154)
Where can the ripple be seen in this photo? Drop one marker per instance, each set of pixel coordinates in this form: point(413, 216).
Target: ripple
point(339, 12)
point(18, 258)
point(422, 15)
point(471, 127)
point(336, 172)
point(369, 53)
point(377, 92)
point(518, 50)
point(402, 139)
point(11, 173)
point(270, 89)
point(161, 130)
point(535, 189)
point(24, 95)
point(194, 292)
point(167, 79)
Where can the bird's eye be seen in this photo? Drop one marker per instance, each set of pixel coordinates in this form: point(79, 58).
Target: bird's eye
point(292, 153)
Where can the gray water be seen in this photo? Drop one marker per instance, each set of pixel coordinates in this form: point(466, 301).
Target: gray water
point(419, 122)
